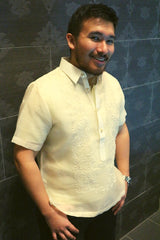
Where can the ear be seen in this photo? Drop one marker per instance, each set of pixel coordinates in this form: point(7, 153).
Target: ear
point(70, 40)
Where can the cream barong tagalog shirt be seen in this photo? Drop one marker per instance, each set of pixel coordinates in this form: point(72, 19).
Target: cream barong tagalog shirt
point(74, 129)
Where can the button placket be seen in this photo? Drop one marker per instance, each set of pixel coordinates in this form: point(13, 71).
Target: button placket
point(101, 128)
point(96, 107)
point(85, 82)
point(87, 89)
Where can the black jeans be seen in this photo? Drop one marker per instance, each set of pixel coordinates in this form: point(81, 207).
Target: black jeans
point(101, 227)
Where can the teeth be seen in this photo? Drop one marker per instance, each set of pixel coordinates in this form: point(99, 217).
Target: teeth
point(101, 59)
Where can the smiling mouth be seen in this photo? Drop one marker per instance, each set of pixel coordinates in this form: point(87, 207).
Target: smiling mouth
point(101, 59)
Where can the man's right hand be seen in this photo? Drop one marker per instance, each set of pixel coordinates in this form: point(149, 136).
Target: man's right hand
point(27, 168)
point(60, 226)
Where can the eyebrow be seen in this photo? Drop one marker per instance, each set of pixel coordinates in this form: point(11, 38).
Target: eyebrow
point(99, 33)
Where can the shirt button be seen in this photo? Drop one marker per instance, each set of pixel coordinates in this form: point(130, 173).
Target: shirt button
point(83, 75)
point(101, 130)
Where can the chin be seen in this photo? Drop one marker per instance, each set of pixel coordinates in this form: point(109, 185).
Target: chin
point(93, 70)
point(98, 71)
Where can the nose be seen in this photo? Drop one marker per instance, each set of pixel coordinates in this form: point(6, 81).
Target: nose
point(102, 47)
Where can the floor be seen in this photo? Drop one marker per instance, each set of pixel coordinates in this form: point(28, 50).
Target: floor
point(147, 230)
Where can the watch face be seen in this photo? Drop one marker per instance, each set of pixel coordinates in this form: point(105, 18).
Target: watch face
point(128, 179)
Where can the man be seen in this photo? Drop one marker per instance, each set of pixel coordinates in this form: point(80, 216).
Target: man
point(73, 120)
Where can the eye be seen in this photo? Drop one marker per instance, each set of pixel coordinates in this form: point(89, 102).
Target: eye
point(95, 38)
point(110, 41)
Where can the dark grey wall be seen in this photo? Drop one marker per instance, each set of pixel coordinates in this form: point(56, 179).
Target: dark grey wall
point(32, 40)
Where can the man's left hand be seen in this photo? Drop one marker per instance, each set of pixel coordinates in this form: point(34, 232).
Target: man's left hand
point(120, 204)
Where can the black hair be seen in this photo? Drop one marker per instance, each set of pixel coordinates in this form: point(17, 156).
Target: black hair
point(88, 11)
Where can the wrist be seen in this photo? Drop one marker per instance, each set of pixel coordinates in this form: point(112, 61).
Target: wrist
point(47, 210)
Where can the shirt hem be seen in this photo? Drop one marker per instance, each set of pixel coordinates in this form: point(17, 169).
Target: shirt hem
point(87, 214)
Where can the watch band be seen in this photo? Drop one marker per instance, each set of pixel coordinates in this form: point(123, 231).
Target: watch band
point(127, 179)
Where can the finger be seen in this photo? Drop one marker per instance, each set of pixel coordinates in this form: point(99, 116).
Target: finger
point(63, 237)
point(119, 204)
point(54, 236)
point(69, 235)
point(116, 210)
point(72, 228)
point(116, 206)
point(119, 207)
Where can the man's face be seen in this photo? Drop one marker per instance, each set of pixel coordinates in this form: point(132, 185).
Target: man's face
point(94, 46)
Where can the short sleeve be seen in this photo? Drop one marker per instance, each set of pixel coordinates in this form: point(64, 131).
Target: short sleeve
point(123, 112)
point(34, 120)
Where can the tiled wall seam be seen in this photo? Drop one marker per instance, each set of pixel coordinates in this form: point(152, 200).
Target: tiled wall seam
point(139, 195)
point(159, 18)
point(8, 178)
point(141, 85)
point(11, 116)
point(50, 59)
point(2, 156)
point(151, 108)
point(136, 40)
point(133, 86)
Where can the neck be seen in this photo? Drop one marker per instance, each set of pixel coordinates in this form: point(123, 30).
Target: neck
point(92, 80)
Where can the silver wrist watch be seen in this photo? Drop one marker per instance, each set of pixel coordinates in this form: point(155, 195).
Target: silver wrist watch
point(127, 179)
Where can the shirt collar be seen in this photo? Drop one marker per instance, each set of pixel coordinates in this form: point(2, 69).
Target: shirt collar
point(70, 70)
point(74, 73)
